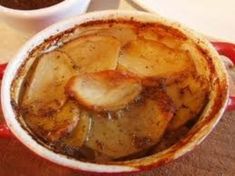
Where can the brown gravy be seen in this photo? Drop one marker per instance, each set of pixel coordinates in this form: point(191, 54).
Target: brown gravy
point(28, 4)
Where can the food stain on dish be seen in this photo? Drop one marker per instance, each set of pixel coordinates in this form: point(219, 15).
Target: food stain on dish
point(101, 96)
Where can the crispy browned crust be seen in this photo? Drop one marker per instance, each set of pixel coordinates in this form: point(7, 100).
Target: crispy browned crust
point(115, 78)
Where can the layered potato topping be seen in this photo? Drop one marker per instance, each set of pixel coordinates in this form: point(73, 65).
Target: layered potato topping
point(114, 91)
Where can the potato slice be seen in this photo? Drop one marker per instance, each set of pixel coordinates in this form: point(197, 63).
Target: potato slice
point(57, 125)
point(150, 58)
point(131, 130)
point(79, 135)
point(171, 38)
point(45, 90)
point(190, 96)
point(93, 53)
point(124, 33)
point(104, 91)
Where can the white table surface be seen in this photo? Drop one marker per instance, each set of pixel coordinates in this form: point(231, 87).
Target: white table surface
point(213, 18)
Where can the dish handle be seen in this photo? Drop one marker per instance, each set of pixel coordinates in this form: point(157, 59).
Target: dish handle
point(228, 50)
point(4, 130)
point(223, 48)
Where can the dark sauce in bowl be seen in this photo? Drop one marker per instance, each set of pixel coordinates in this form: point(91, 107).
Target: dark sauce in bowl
point(28, 4)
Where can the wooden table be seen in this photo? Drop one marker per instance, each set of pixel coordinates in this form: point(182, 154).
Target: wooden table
point(214, 157)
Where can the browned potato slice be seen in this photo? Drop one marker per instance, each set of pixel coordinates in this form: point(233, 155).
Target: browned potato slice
point(132, 130)
point(124, 33)
point(190, 96)
point(93, 53)
point(80, 133)
point(172, 39)
point(150, 58)
point(45, 91)
point(106, 90)
point(56, 125)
